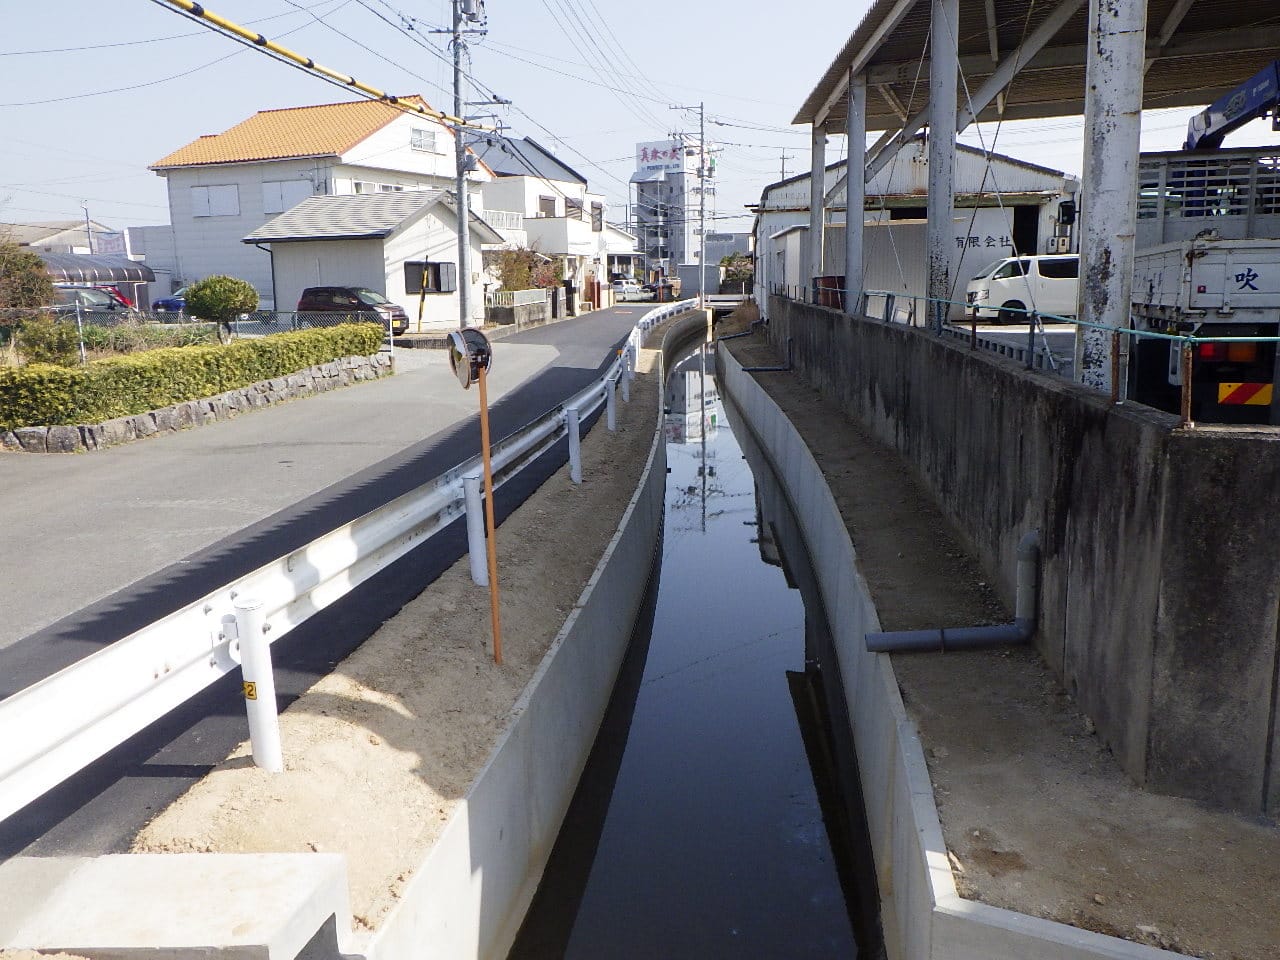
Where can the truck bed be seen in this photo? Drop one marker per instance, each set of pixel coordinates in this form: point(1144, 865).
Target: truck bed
point(1214, 280)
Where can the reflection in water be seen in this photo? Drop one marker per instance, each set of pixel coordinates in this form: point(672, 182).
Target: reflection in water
point(697, 830)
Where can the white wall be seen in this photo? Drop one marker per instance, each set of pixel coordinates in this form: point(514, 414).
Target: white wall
point(433, 237)
point(342, 263)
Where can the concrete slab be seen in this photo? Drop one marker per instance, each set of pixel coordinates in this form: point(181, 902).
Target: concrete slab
point(264, 907)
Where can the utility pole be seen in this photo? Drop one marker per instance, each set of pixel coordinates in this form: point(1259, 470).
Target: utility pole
point(702, 199)
point(464, 12)
point(88, 230)
point(784, 165)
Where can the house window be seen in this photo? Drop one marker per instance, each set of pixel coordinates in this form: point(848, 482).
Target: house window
point(546, 206)
point(423, 139)
point(597, 217)
point(219, 201)
point(573, 208)
point(281, 195)
point(439, 277)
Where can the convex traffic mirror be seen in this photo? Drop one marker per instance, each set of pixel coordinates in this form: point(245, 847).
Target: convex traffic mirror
point(469, 353)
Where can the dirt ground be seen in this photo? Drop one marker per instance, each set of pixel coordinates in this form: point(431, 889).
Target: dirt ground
point(379, 753)
point(1037, 815)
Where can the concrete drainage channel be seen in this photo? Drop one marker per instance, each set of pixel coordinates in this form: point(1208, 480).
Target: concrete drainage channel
point(467, 897)
point(923, 916)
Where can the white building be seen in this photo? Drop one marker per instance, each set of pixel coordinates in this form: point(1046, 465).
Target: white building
point(1001, 206)
point(387, 242)
point(537, 201)
point(224, 186)
point(669, 194)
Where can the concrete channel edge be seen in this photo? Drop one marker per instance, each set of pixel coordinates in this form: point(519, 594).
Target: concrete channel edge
point(922, 914)
point(471, 893)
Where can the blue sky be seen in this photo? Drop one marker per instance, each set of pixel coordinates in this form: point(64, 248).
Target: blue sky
point(94, 91)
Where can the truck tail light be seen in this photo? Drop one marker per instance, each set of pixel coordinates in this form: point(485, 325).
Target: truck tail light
point(1220, 352)
point(1213, 351)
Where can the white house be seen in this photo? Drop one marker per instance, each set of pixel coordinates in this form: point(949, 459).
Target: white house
point(402, 245)
point(537, 201)
point(224, 186)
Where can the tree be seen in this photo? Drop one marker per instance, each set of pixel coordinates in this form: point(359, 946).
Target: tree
point(221, 299)
point(738, 267)
point(24, 283)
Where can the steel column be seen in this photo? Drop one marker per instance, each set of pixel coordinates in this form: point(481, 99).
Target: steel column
point(817, 197)
point(855, 188)
point(943, 67)
point(1113, 122)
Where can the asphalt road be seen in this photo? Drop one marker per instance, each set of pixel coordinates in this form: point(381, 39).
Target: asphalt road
point(101, 544)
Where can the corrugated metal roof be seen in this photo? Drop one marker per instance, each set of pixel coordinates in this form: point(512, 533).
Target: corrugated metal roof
point(358, 217)
point(1213, 49)
point(328, 129)
point(95, 268)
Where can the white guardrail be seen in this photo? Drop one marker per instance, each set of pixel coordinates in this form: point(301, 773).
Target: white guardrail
point(56, 727)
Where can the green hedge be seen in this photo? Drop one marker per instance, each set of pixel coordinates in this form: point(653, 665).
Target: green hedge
point(42, 394)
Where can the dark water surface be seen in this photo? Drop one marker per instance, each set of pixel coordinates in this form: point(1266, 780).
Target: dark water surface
point(697, 830)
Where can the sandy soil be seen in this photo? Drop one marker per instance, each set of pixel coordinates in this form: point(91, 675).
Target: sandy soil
point(1036, 813)
point(379, 753)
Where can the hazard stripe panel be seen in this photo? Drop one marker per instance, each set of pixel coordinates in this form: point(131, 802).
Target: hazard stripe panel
point(1245, 394)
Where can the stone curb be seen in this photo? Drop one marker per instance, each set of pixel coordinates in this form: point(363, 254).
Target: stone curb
point(197, 413)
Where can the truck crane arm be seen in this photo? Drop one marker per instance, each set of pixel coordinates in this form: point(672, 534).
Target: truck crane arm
point(1254, 98)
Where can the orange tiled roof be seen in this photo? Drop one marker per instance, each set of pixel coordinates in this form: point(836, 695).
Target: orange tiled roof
point(328, 129)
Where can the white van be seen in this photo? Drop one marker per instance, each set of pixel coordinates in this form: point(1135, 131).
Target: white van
point(1003, 289)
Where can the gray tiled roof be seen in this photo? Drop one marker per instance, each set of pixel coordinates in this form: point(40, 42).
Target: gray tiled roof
point(509, 157)
point(346, 217)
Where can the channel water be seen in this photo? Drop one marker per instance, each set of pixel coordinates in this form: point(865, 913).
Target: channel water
point(718, 815)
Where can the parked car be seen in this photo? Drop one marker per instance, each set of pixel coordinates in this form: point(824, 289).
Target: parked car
point(627, 290)
point(664, 288)
point(89, 299)
point(1048, 284)
point(350, 300)
point(176, 302)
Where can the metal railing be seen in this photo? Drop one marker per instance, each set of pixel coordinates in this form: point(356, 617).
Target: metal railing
point(57, 726)
point(886, 306)
point(515, 298)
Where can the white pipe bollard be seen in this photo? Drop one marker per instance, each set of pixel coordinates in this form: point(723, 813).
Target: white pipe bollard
point(474, 506)
point(611, 403)
point(574, 427)
point(259, 685)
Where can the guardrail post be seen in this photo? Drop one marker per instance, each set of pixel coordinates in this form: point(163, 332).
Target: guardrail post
point(474, 506)
point(1115, 366)
point(259, 685)
point(611, 403)
point(1032, 319)
point(574, 427)
point(890, 302)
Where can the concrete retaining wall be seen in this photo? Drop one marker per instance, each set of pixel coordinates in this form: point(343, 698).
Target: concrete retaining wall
point(197, 413)
point(922, 915)
point(1161, 547)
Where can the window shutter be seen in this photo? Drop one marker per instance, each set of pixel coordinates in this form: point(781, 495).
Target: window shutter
point(413, 276)
point(448, 277)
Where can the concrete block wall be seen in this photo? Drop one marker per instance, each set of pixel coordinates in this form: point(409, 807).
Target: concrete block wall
point(922, 916)
point(1161, 547)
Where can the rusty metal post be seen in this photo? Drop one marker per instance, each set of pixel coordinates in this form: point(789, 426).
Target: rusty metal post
point(1115, 366)
point(1032, 319)
point(1187, 354)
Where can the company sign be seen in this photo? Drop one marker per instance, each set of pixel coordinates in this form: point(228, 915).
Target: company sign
point(664, 155)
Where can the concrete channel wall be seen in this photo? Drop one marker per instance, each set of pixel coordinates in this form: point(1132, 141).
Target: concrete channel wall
point(469, 897)
point(1161, 547)
point(922, 915)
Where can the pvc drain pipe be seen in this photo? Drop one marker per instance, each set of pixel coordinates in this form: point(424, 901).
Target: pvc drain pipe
point(762, 322)
point(976, 638)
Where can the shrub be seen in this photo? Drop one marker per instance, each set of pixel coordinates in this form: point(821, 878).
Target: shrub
point(43, 339)
point(221, 299)
point(43, 394)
